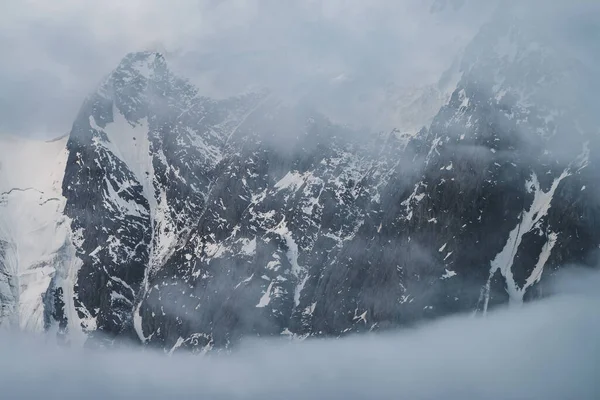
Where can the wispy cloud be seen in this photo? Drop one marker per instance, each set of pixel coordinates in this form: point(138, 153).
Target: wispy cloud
point(55, 53)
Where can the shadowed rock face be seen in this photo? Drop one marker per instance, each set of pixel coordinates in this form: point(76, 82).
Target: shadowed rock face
point(141, 155)
point(197, 222)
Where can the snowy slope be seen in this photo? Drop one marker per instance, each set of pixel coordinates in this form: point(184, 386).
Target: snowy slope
point(35, 234)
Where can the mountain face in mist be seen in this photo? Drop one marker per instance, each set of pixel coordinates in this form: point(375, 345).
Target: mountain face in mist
point(180, 221)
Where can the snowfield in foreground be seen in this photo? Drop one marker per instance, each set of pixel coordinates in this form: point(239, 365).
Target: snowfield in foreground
point(546, 350)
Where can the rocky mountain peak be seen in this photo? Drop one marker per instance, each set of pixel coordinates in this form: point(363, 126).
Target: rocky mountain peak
point(145, 64)
point(189, 222)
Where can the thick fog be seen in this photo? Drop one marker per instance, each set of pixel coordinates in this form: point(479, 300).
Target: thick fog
point(547, 350)
point(55, 53)
point(356, 61)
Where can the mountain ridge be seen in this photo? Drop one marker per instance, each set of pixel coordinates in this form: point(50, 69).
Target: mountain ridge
point(190, 223)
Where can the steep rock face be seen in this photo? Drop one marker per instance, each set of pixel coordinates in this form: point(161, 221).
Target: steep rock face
point(496, 204)
point(275, 216)
point(140, 156)
point(494, 197)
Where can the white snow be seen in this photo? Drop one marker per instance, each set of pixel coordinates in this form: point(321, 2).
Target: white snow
point(96, 251)
point(266, 298)
point(137, 322)
point(177, 345)
point(130, 143)
point(214, 250)
point(248, 279)
point(165, 233)
point(292, 255)
point(114, 295)
point(37, 234)
point(529, 220)
point(448, 274)
point(462, 97)
point(274, 264)
point(249, 248)
point(536, 274)
point(361, 317)
point(292, 180)
point(413, 199)
point(433, 149)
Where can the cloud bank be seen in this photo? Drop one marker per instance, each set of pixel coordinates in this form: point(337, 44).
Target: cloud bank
point(547, 350)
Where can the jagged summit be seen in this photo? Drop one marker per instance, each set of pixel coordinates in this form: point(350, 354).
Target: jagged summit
point(142, 63)
point(142, 85)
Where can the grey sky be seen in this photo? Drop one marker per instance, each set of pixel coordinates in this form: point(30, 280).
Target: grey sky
point(55, 53)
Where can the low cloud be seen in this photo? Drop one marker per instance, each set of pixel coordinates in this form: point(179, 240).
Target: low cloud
point(546, 350)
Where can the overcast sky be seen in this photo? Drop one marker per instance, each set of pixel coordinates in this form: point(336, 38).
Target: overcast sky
point(54, 53)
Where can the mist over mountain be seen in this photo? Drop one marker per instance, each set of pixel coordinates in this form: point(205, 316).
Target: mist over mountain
point(302, 171)
point(545, 350)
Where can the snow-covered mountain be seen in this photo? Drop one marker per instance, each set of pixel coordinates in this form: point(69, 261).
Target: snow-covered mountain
point(179, 221)
point(35, 235)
